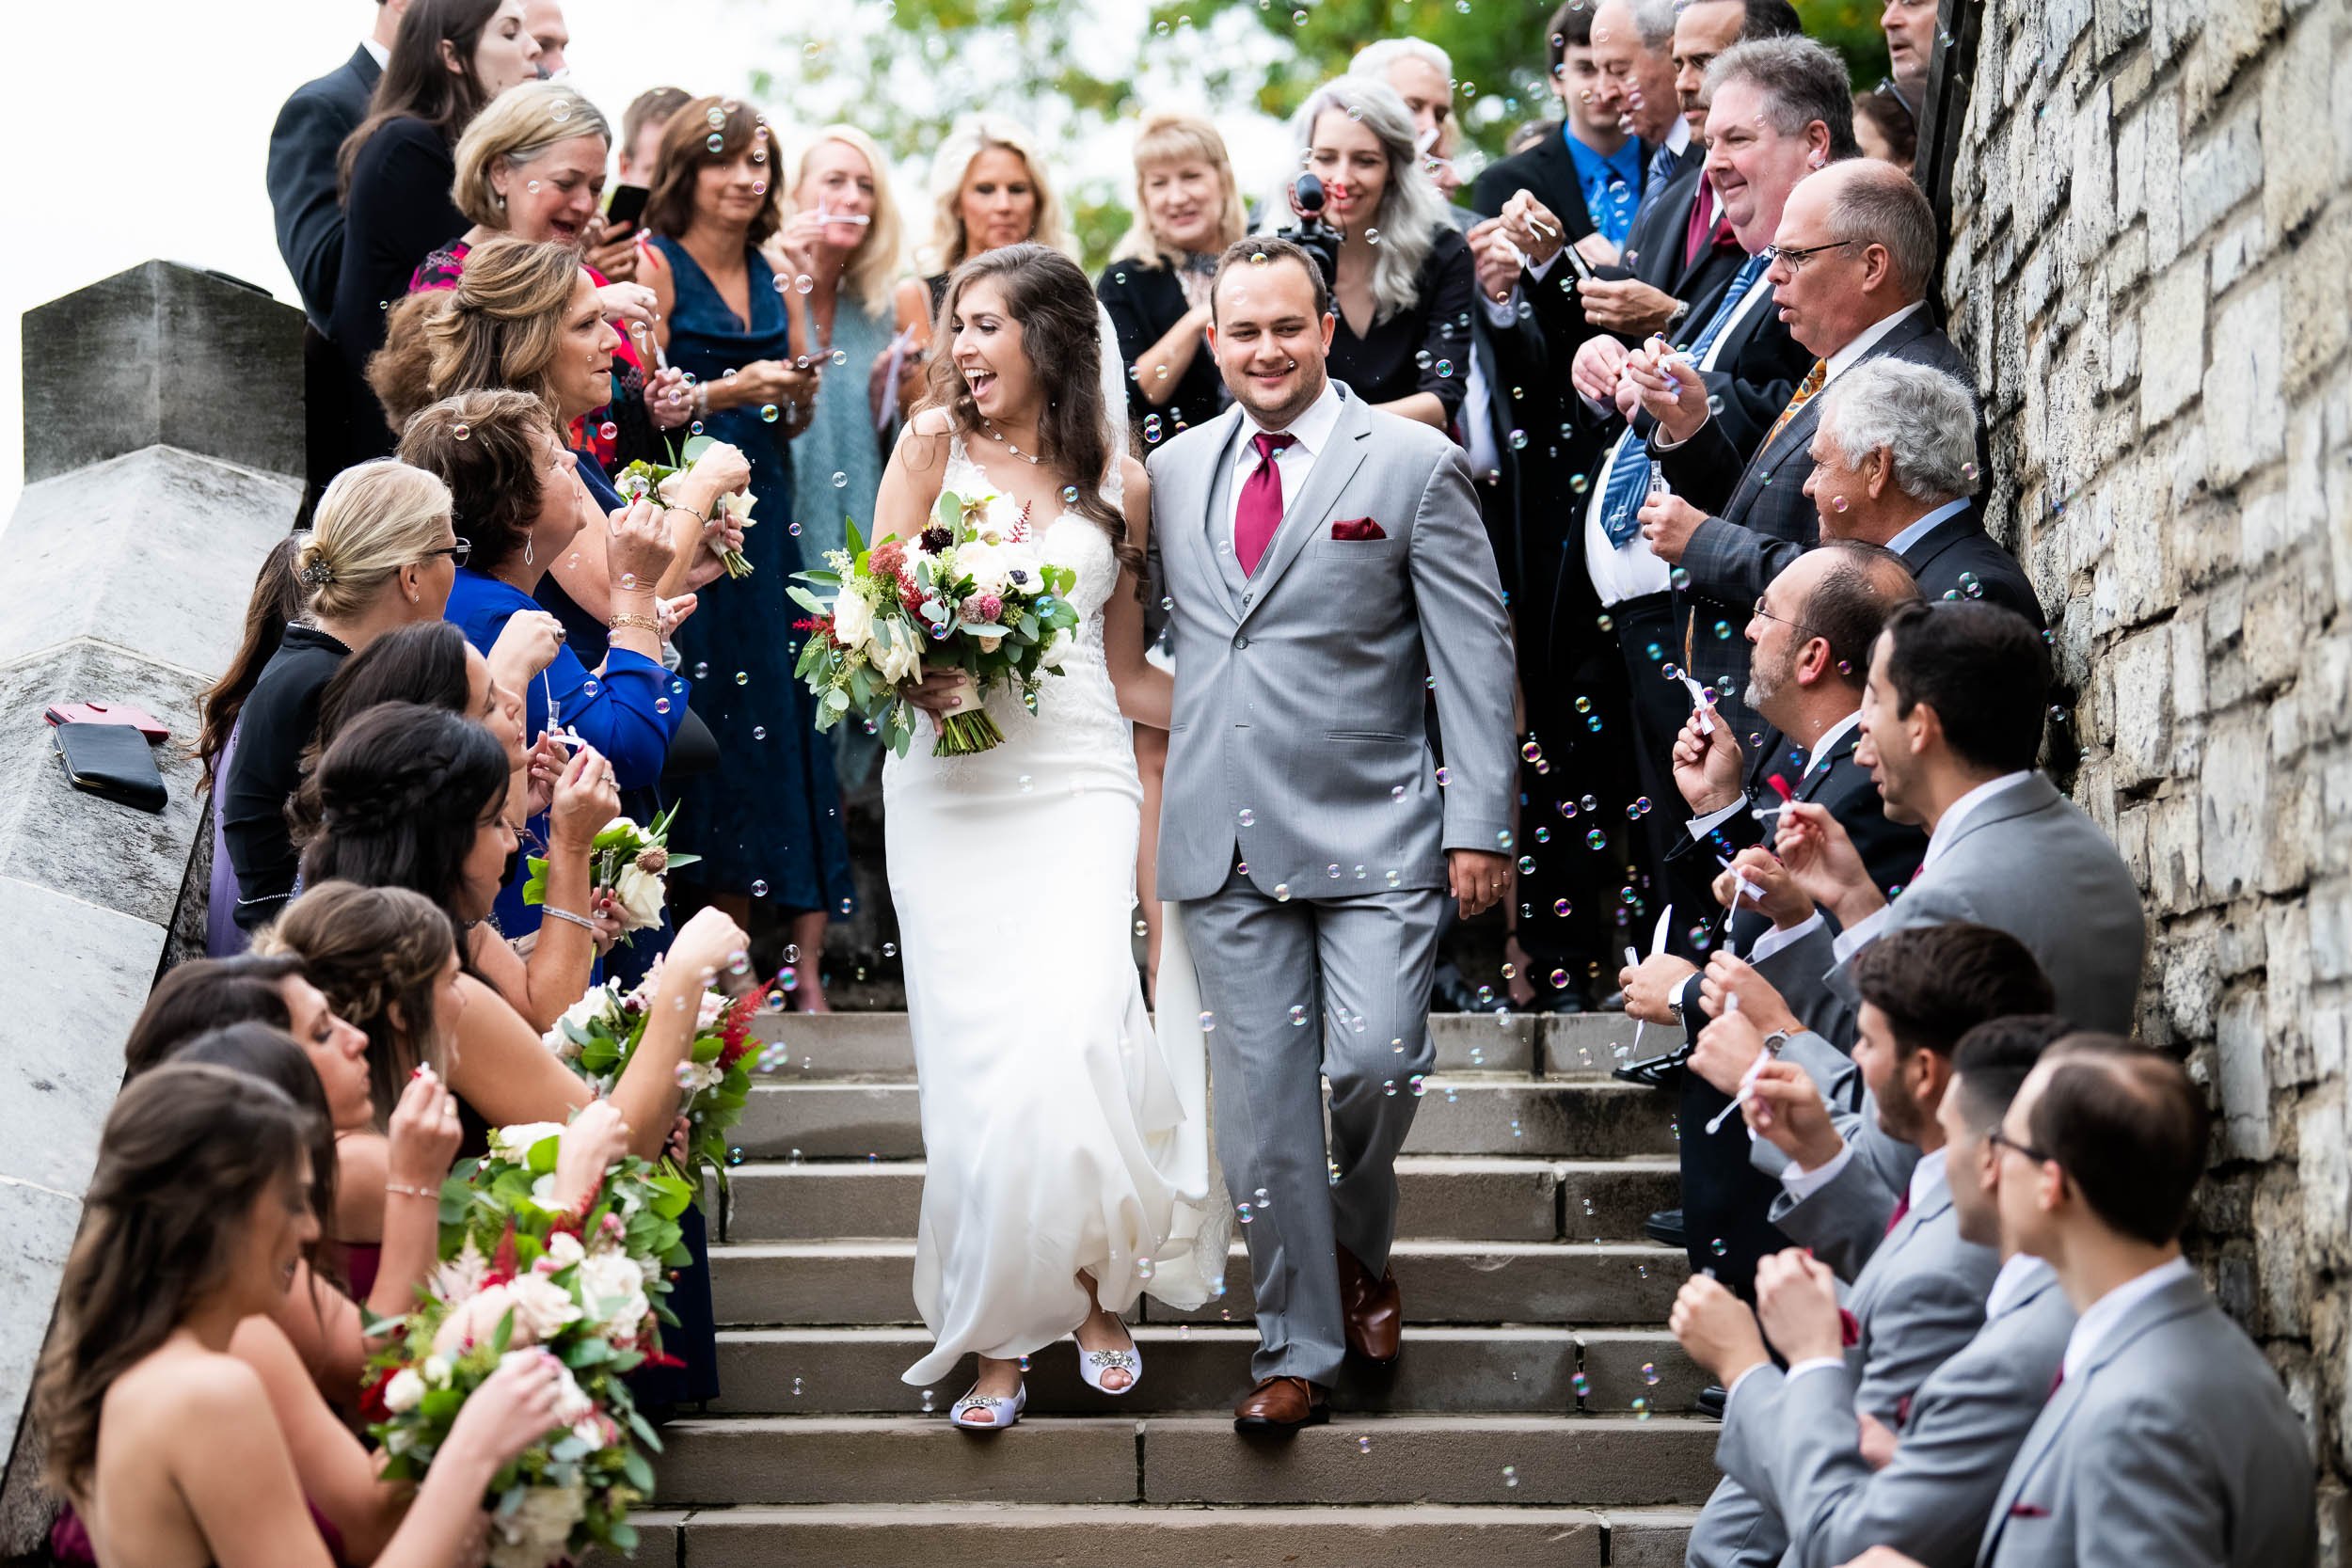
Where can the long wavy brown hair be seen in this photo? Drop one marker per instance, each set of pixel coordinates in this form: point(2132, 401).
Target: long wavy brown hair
point(277, 602)
point(1060, 334)
point(375, 951)
point(188, 1151)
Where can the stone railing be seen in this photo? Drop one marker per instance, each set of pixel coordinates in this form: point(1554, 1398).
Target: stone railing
point(163, 435)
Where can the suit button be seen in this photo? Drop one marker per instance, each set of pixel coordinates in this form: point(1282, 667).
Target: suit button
point(1240, 641)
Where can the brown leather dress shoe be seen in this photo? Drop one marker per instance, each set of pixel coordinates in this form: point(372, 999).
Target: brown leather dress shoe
point(1373, 1310)
point(1281, 1405)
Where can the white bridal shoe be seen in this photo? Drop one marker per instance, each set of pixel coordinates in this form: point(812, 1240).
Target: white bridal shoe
point(1002, 1413)
point(1092, 1364)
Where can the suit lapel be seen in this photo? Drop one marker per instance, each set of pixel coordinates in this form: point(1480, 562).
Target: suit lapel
point(1333, 468)
point(2036, 794)
point(1202, 536)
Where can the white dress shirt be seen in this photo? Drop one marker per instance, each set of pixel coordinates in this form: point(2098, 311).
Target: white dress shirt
point(1860, 936)
point(2021, 1274)
point(1845, 359)
point(2099, 1321)
point(1311, 433)
point(377, 51)
point(1815, 760)
point(1920, 529)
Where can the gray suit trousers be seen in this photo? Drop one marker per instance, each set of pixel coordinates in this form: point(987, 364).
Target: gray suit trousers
point(1302, 989)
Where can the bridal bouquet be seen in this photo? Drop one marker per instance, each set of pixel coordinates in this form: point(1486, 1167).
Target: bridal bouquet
point(972, 592)
point(585, 1285)
point(642, 478)
point(633, 862)
point(599, 1034)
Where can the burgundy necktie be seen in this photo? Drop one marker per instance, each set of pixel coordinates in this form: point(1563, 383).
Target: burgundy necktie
point(1259, 510)
point(1902, 1206)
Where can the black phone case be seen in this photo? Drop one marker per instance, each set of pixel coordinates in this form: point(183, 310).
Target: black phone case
point(113, 761)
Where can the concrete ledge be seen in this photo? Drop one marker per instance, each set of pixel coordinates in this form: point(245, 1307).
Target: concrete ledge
point(1142, 1537)
point(915, 1459)
point(1648, 1537)
point(1575, 1118)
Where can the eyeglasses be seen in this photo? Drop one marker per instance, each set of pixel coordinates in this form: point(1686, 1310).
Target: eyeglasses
point(456, 552)
point(1797, 256)
point(1764, 614)
point(2000, 1139)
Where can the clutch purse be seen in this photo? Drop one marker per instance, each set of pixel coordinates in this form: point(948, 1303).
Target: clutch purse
point(113, 761)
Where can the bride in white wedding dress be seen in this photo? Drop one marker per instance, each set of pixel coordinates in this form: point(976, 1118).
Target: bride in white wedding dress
point(1066, 1141)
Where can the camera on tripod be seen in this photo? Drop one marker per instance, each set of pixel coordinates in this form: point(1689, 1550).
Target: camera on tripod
point(1312, 235)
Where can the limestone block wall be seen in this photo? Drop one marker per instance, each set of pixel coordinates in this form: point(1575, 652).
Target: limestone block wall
point(164, 425)
point(2152, 266)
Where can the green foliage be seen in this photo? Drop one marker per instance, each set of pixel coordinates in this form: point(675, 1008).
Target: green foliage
point(1851, 29)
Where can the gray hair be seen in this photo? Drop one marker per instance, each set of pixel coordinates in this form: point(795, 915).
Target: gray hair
point(1655, 20)
point(1411, 210)
point(1373, 60)
point(1925, 418)
point(1877, 203)
point(1801, 81)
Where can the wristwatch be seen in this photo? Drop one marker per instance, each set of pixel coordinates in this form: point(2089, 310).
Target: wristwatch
point(1773, 1041)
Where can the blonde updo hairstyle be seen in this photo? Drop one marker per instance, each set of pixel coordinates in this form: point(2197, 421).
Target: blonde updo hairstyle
point(950, 248)
point(1166, 139)
point(518, 128)
point(501, 325)
point(372, 520)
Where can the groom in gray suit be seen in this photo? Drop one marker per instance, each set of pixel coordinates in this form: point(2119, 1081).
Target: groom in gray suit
point(1322, 558)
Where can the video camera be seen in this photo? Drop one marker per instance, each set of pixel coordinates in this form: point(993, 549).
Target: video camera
point(1312, 235)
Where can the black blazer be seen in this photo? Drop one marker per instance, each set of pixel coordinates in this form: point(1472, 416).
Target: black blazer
point(1143, 303)
point(302, 149)
point(1424, 349)
point(1956, 553)
point(397, 214)
point(1548, 169)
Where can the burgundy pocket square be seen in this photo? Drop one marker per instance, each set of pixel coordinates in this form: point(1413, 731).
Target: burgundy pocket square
point(2027, 1510)
point(1358, 528)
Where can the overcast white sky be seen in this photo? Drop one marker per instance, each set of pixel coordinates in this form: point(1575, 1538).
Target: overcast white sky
point(141, 129)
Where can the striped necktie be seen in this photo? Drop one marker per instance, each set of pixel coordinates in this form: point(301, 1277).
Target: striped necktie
point(1629, 474)
point(1805, 391)
point(1661, 170)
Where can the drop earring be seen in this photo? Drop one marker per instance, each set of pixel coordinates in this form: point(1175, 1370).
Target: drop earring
point(526, 550)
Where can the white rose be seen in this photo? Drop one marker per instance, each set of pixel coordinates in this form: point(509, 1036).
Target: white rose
point(736, 505)
point(517, 1142)
point(852, 619)
point(986, 564)
point(563, 1248)
point(436, 1372)
point(614, 1283)
point(638, 893)
point(405, 1392)
point(1054, 652)
point(627, 822)
point(594, 1007)
point(542, 1307)
point(900, 661)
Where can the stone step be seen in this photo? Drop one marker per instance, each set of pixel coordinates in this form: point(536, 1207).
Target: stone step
point(1438, 1196)
point(1195, 1369)
point(878, 1046)
point(1584, 1118)
point(1443, 1282)
point(1145, 1536)
point(1579, 1460)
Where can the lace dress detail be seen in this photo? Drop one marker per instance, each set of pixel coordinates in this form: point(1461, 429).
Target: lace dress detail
point(1060, 1132)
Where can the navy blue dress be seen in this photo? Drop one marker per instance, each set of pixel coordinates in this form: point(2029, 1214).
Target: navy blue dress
point(768, 822)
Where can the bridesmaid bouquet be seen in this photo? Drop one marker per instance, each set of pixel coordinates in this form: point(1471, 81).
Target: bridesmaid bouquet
point(583, 1285)
point(972, 592)
point(599, 1037)
point(642, 478)
point(633, 862)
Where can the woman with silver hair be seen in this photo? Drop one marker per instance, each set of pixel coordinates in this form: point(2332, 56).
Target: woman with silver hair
point(1403, 286)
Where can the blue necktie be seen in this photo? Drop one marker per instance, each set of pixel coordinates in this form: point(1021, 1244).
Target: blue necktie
point(1629, 476)
point(1661, 170)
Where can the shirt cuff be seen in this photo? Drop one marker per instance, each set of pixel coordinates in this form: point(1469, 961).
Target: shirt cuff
point(1659, 441)
point(1856, 938)
point(1774, 940)
point(1701, 826)
point(1803, 1184)
point(1503, 312)
point(1813, 1364)
point(1539, 271)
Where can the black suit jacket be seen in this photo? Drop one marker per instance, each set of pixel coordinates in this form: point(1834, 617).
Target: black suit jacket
point(302, 148)
point(1726, 1201)
point(1547, 169)
point(1957, 555)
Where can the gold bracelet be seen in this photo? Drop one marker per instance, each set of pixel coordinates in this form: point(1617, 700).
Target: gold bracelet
point(405, 1190)
point(649, 623)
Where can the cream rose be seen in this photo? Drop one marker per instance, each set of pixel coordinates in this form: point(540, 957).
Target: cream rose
point(852, 619)
point(638, 894)
point(405, 1391)
point(616, 1286)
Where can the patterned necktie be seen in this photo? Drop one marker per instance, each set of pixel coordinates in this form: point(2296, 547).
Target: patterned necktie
point(1661, 169)
point(1629, 476)
point(1259, 510)
point(1805, 391)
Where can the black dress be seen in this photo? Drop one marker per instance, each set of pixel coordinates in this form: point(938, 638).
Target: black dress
point(396, 213)
point(276, 722)
point(1144, 302)
point(1422, 348)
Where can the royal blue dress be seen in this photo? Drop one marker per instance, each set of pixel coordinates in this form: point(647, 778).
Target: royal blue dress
point(768, 821)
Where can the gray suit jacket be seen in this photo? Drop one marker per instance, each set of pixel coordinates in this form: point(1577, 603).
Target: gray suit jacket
point(1301, 694)
point(1963, 1427)
point(2027, 861)
point(2173, 1444)
point(1844, 1220)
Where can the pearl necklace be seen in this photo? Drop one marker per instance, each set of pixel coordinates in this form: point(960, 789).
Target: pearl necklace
point(1001, 439)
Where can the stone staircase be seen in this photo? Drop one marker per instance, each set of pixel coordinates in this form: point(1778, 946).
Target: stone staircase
point(1540, 1410)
